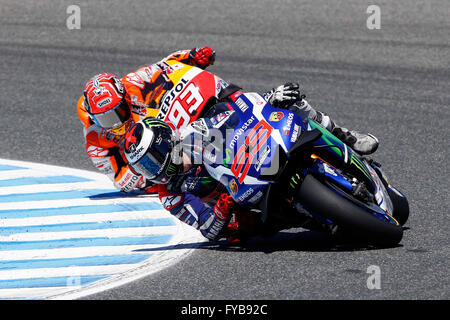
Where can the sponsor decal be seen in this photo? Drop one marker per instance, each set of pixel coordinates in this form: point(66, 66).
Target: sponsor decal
point(233, 187)
point(221, 217)
point(263, 157)
point(246, 194)
point(221, 85)
point(104, 165)
point(170, 201)
point(329, 170)
point(104, 103)
point(170, 96)
point(255, 98)
point(276, 116)
point(287, 126)
point(221, 118)
point(240, 131)
point(118, 84)
point(128, 182)
point(256, 197)
point(94, 151)
point(295, 133)
point(241, 104)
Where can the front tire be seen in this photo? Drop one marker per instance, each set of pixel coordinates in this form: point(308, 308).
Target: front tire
point(328, 204)
point(401, 206)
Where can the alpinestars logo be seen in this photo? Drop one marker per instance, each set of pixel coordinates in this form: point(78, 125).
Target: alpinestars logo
point(94, 151)
point(170, 201)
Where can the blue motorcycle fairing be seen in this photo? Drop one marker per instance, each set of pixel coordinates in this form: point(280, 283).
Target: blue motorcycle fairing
point(255, 132)
point(251, 146)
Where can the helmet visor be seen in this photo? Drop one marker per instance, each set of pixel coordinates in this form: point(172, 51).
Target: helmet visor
point(153, 165)
point(148, 166)
point(113, 118)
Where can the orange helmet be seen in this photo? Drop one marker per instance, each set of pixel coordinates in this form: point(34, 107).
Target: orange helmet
point(104, 97)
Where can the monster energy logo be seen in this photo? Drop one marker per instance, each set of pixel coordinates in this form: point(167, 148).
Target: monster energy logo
point(357, 163)
point(153, 122)
point(334, 144)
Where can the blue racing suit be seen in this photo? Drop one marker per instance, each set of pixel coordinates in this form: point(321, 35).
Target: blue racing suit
point(191, 195)
point(190, 198)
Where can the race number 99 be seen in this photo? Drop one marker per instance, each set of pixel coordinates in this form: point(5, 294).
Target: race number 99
point(255, 139)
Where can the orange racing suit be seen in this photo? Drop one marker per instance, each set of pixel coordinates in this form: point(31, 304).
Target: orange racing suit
point(144, 88)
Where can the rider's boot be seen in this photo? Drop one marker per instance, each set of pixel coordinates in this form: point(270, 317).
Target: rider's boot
point(360, 142)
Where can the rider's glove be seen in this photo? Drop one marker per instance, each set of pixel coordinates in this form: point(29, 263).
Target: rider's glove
point(284, 95)
point(203, 57)
point(224, 206)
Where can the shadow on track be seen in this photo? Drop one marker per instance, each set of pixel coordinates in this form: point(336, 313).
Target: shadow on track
point(307, 241)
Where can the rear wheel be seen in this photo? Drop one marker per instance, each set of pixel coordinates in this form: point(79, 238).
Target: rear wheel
point(332, 204)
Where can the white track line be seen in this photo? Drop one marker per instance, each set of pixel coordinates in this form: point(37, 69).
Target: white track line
point(53, 187)
point(76, 271)
point(33, 293)
point(82, 218)
point(100, 233)
point(26, 205)
point(79, 252)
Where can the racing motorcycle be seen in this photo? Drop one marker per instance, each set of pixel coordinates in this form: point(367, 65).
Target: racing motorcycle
point(292, 172)
point(288, 170)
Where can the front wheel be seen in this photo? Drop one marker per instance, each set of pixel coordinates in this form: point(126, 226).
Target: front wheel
point(330, 204)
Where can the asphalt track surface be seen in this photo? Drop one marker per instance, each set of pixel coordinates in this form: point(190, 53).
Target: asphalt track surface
point(393, 82)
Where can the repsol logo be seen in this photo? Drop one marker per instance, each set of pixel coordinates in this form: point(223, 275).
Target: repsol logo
point(129, 182)
point(170, 96)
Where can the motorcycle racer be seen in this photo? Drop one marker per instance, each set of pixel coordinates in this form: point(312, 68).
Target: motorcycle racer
point(109, 106)
point(149, 146)
point(150, 149)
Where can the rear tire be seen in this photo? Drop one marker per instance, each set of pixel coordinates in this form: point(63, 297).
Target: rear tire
point(328, 204)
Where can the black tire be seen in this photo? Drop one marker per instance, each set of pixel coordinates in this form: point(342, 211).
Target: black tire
point(399, 201)
point(318, 198)
point(401, 206)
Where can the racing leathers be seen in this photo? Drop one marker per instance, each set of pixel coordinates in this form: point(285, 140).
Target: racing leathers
point(197, 200)
point(143, 90)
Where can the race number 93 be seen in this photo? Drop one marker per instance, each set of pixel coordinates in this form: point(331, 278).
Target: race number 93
point(185, 106)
